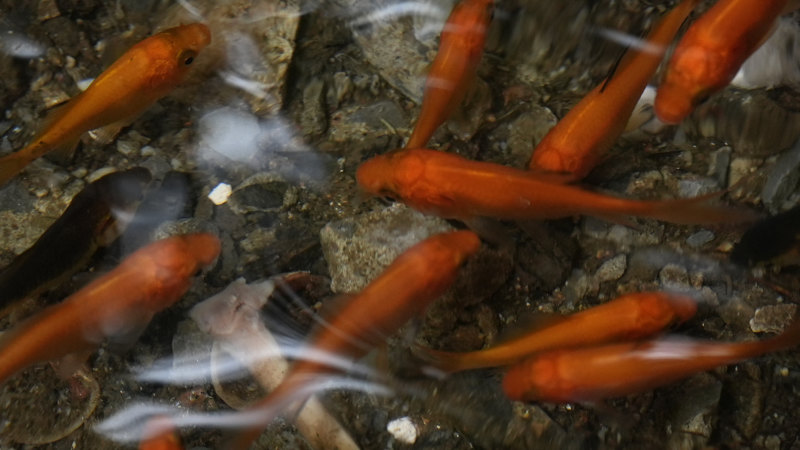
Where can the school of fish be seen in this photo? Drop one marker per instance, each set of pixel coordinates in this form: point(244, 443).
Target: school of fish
point(614, 349)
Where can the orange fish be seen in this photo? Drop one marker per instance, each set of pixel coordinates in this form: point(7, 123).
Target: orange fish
point(711, 52)
point(595, 373)
point(453, 69)
point(453, 187)
point(144, 74)
point(120, 303)
point(404, 290)
point(631, 316)
point(578, 141)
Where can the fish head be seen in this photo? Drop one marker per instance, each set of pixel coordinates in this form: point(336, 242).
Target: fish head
point(172, 52)
point(375, 176)
point(689, 80)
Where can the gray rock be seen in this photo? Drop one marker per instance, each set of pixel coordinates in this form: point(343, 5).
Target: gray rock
point(527, 130)
point(753, 123)
point(314, 118)
point(700, 238)
point(783, 179)
point(673, 276)
point(773, 318)
point(612, 269)
point(357, 249)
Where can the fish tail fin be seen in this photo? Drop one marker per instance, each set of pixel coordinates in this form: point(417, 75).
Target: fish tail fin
point(698, 211)
point(12, 165)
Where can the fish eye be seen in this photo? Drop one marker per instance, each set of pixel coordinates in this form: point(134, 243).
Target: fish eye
point(187, 57)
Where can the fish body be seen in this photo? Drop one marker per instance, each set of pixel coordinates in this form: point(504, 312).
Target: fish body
point(579, 140)
point(453, 187)
point(595, 373)
point(404, 290)
point(146, 72)
point(453, 69)
point(93, 219)
point(118, 303)
point(632, 316)
point(711, 52)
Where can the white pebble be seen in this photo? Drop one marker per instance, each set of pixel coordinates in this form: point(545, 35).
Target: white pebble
point(403, 429)
point(220, 194)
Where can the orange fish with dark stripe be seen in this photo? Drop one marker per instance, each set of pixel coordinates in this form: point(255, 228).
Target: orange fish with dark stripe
point(453, 69)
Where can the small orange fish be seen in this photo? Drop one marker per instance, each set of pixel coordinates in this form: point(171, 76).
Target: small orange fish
point(146, 72)
point(631, 316)
point(119, 303)
point(580, 139)
point(404, 290)
point(453, 69)
point(711, 52)
point(595, 373)
point(453, 187)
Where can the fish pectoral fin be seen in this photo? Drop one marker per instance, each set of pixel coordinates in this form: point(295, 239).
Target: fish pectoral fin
point(124, 340)
point(64, 153)
point(106, 135)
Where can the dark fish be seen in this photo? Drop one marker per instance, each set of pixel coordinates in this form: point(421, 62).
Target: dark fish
point(162, 203)
point(94, 219)
point(774, 238)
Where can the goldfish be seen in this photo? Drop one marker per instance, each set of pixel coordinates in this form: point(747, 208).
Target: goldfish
point(454, 68)
point(453, 187)
point(711, 52)
point(146, 72)
point(578, 141)
point(93, 219)
point(631, 316)
point(405, 289)
point(595, 373)
point(119, 304)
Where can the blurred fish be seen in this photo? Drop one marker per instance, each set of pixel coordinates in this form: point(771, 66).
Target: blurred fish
point(595, 373)
point(632, 316)
point(119, 304)
point(711, 52)
point(146, 72)
point(580, 139)
point(774, 238)
point(453, 69)
point(450, 186)
point(404, 290)
point(93, 219)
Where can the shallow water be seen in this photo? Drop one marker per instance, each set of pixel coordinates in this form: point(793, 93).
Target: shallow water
point(282, 108)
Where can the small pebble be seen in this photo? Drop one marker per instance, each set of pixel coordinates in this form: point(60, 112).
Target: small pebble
point(220, 194)
point(403, 429)
point(700, 238)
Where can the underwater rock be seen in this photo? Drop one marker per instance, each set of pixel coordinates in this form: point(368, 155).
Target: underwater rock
point(783, 179)
point(525, 132)
point(253, 45)
point(773, 318)
point(750, 122)
point(387, 39)
point(314, 118)
point(357, 249)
